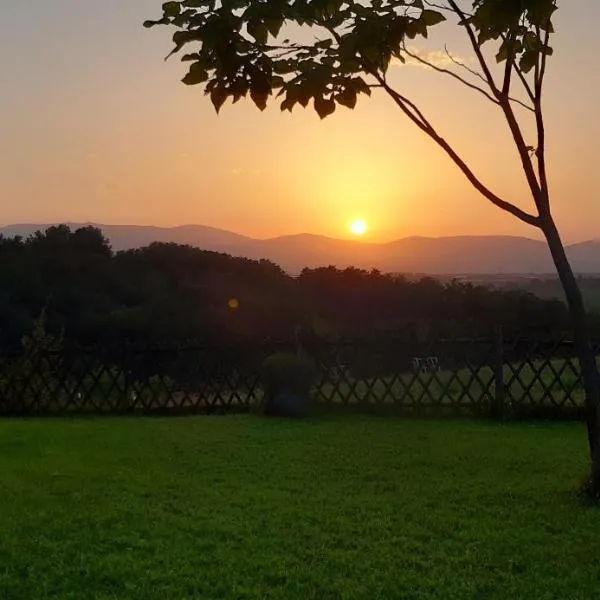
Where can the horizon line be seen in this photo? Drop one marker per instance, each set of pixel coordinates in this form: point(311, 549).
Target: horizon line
point(288, 235)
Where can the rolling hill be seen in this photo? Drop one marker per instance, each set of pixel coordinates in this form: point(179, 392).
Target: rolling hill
point(436, 256)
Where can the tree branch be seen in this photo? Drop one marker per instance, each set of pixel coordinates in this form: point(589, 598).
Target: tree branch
point(439, 69)
point(506, 106)
point(476, 48)
point(420, 121)
point(508, 73)
point(541, 128)
point(461, 64)
point(462, 80)
point(443, 7)
point(528, 89)
point(515, 67)
point(544, 63)
point(523, 151)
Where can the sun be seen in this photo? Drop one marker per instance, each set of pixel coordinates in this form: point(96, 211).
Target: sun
point(358, 227)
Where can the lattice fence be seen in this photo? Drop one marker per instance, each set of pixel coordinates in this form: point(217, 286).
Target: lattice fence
point(486, 376)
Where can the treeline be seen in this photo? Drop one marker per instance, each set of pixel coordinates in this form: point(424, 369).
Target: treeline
point(550, 288)
point(166, 293)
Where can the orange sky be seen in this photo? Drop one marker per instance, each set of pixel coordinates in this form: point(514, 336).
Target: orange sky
point(94, 126)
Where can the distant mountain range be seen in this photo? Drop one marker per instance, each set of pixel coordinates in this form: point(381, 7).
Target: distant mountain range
point(464, 255)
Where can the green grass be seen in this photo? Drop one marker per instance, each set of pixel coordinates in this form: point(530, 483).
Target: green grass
point(336, 508)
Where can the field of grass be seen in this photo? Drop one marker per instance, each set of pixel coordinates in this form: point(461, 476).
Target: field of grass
point(336, 508)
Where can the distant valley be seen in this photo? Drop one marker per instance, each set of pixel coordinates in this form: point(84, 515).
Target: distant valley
point(463, 255)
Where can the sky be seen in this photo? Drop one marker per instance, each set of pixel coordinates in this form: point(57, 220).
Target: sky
point(96, 127)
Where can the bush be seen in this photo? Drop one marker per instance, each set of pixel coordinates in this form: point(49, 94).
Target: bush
point(287, 382)
point(28, 380)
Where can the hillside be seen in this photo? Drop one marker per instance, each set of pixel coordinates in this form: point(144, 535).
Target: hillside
point(436, 256)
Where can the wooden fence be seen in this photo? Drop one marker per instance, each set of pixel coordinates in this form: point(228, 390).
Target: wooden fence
point(485, 376)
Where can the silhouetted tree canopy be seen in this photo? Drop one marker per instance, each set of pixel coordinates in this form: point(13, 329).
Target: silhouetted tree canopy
point(172, 293)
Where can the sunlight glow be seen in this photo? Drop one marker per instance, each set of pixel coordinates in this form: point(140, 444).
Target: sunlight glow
point(358, 227)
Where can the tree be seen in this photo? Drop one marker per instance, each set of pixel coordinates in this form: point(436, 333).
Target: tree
point(243, 47)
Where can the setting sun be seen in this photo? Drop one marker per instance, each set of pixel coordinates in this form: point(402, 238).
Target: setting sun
point(358, 227)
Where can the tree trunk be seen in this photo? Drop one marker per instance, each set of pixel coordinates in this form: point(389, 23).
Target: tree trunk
point(585, 351)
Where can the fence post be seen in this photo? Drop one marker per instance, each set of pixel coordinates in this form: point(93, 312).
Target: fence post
point(499, 388)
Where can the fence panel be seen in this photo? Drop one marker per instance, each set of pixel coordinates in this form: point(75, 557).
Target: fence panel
point(518, 377)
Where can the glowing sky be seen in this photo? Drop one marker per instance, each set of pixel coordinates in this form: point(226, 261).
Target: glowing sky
point(94, 126)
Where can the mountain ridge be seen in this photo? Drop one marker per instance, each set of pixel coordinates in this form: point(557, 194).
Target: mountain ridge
point(462, 254)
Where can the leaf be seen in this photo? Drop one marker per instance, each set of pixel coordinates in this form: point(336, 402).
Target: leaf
point(277, 82)
point(218, 95)
point(507, 49)
point(163, 21)
point(194, 3)
point(528, 61)
point(291, 97)
point(324, 106)
point(190, 57)
point(258, 30)
point(238, 89)
point(347, 97)
point(274, 26)
point(282, 67)
point(259, 97)
point(372, 54)
point(416, 28)
point(360, 85)
point(303, 95)
point(531, 41)
point(233, 4)
point(197, 74)
point(171, 9)
point(429, 18)
point(333, 6)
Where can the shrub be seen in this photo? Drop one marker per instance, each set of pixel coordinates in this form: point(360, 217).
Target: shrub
point(287, 382)
point(29, 379)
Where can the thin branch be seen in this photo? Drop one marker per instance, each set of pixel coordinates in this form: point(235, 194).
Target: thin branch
point(523, 150)
point(439, 69)
point(475, 45)
point(416, 114)
point(507, 108)
point(541, 157)
point(443, 7)
point(526, 85)
point(407, 108)
point(541, 128)
point(536, 70)
point(464, 81)
point(508, 68)
point(544, 63)
point(464, 66)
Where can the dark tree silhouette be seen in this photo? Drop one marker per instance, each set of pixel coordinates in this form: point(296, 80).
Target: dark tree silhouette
point(172, 293)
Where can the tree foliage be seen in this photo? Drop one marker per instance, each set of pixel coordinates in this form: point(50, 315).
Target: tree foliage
point(238, 48)
point(177, 294)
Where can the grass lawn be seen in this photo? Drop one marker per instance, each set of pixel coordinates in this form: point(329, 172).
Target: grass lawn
point(243, 508)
